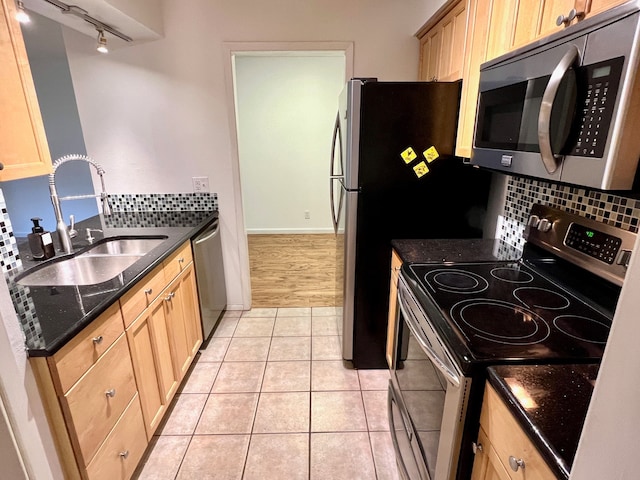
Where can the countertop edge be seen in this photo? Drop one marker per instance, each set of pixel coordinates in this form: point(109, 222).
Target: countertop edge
point(548, 452)
point(55, 345)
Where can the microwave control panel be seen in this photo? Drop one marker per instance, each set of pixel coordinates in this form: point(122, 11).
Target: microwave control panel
point(591, 242)
point(598, 86)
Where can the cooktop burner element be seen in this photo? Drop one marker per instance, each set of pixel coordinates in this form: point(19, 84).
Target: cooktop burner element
point(507, 310)
point(511, 274)
point(457, 281)
point(535, 297)
point(574, 326)
point(501, 322)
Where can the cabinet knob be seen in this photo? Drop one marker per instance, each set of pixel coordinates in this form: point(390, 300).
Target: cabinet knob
point(98, 340)
point(515, 463)
point(477, 447)
point(124, 455)
point(110, 393)
point(181, 260)
point(573, 13)
point(170, 296)
point(148, 291)
point(1, 166)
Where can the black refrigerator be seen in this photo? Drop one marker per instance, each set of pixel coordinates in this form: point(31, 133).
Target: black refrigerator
point(393, 176)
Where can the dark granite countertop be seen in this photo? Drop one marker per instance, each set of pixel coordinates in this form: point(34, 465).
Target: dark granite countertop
point(51, 316)
point(550, 402)
point(454, 250)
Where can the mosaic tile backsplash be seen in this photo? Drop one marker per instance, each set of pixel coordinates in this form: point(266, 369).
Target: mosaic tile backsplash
point(604, 207)
point(163, 202)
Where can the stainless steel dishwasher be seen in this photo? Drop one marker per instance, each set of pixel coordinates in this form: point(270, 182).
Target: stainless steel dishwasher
point(212, 290)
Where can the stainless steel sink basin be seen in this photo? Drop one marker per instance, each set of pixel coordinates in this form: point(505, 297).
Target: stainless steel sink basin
point(98, 264)
point(124, 246)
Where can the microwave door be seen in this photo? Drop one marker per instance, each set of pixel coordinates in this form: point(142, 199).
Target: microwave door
point(557, 110)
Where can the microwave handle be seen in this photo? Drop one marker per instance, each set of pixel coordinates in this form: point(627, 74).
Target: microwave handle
point(550, 160)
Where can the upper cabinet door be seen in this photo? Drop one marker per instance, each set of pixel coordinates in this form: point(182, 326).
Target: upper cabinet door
point(442, 44)
point(23, 144)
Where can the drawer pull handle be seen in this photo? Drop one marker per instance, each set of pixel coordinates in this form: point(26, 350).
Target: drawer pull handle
point(98, 340)
point(181, 260)
point(477, 447)
point(110, 393)
point(124, 455)
point(515, 463)
point(148, 291)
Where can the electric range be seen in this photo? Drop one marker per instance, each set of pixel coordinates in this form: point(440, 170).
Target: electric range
point(553, 305)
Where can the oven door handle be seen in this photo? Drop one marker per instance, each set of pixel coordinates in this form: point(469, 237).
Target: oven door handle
point(437, 362)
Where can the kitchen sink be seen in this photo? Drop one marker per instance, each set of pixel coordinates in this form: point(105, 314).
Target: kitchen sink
point(125, 246)
point(97, 264)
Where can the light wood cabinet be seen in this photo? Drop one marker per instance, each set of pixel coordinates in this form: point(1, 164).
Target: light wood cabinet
point(106, 391)
point(151, 356)
point(396, 263)
point(500, 439)
point(24, 152)
point(442, 44)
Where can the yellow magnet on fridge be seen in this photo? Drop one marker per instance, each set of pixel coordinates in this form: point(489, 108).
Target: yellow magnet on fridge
point(431, 154)
point(421, 169)
point(409, 155)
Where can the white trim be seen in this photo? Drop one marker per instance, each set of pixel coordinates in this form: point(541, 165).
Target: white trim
point(230, 50)
point(289, 231)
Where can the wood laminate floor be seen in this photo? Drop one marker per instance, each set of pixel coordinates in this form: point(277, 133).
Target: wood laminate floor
point(293, 270)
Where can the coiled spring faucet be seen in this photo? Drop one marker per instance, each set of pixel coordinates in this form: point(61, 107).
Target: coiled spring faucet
point(64, 232)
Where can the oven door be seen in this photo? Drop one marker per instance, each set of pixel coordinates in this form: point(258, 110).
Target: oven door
point(430, 393)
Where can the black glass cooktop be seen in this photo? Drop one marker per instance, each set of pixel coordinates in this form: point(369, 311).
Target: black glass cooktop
point(508, 310)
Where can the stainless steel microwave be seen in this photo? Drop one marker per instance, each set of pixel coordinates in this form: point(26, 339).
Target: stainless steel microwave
point(567, 107)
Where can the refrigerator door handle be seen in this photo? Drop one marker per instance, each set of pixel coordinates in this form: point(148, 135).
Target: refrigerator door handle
point(337, 139)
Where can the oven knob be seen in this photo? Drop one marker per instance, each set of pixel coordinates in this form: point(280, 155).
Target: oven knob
point(545, 225)
point(534, 220)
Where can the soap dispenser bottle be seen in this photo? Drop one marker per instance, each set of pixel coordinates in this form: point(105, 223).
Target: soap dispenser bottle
point(40, 242)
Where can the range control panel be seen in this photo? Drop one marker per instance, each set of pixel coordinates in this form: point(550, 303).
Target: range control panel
point(593, 242)
point(595, 246)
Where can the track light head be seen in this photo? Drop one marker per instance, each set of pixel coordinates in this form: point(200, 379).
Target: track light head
point(102, 42)
point(21, 15)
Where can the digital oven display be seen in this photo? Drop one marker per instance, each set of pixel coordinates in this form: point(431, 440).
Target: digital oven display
point(593, 243)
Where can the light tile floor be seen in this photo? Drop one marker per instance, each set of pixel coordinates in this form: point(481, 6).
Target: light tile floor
point(270, 398)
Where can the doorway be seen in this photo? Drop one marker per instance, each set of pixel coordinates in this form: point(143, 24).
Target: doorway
point(285, 104)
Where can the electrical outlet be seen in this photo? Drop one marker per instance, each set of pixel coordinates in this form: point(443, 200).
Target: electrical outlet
point(307, 214)
point(200, 184)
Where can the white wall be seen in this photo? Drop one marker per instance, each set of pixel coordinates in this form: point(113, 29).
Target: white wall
point(156, 114)
point(286, 107)
point(608, 448)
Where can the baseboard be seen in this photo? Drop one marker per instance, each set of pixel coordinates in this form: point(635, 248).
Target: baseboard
point(288, 231)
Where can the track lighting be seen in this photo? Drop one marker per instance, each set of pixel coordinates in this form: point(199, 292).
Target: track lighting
point(21, 15)
point(102, 42)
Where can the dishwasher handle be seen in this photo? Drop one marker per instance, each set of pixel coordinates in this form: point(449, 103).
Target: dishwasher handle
point(213, 231)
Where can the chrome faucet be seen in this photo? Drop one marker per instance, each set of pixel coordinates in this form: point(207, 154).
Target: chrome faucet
point(65, 234)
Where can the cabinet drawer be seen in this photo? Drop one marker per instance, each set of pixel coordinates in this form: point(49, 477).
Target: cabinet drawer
point(140, 297)
point(95, 402)
point(508, 439)
point(177, 262)
point(77, 356)
point(122, 450)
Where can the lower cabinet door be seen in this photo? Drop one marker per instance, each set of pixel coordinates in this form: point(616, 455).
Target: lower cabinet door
point(120, 453)
point(487, 465)
point(191, 311)
point(176, 327)
point(151, 356)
